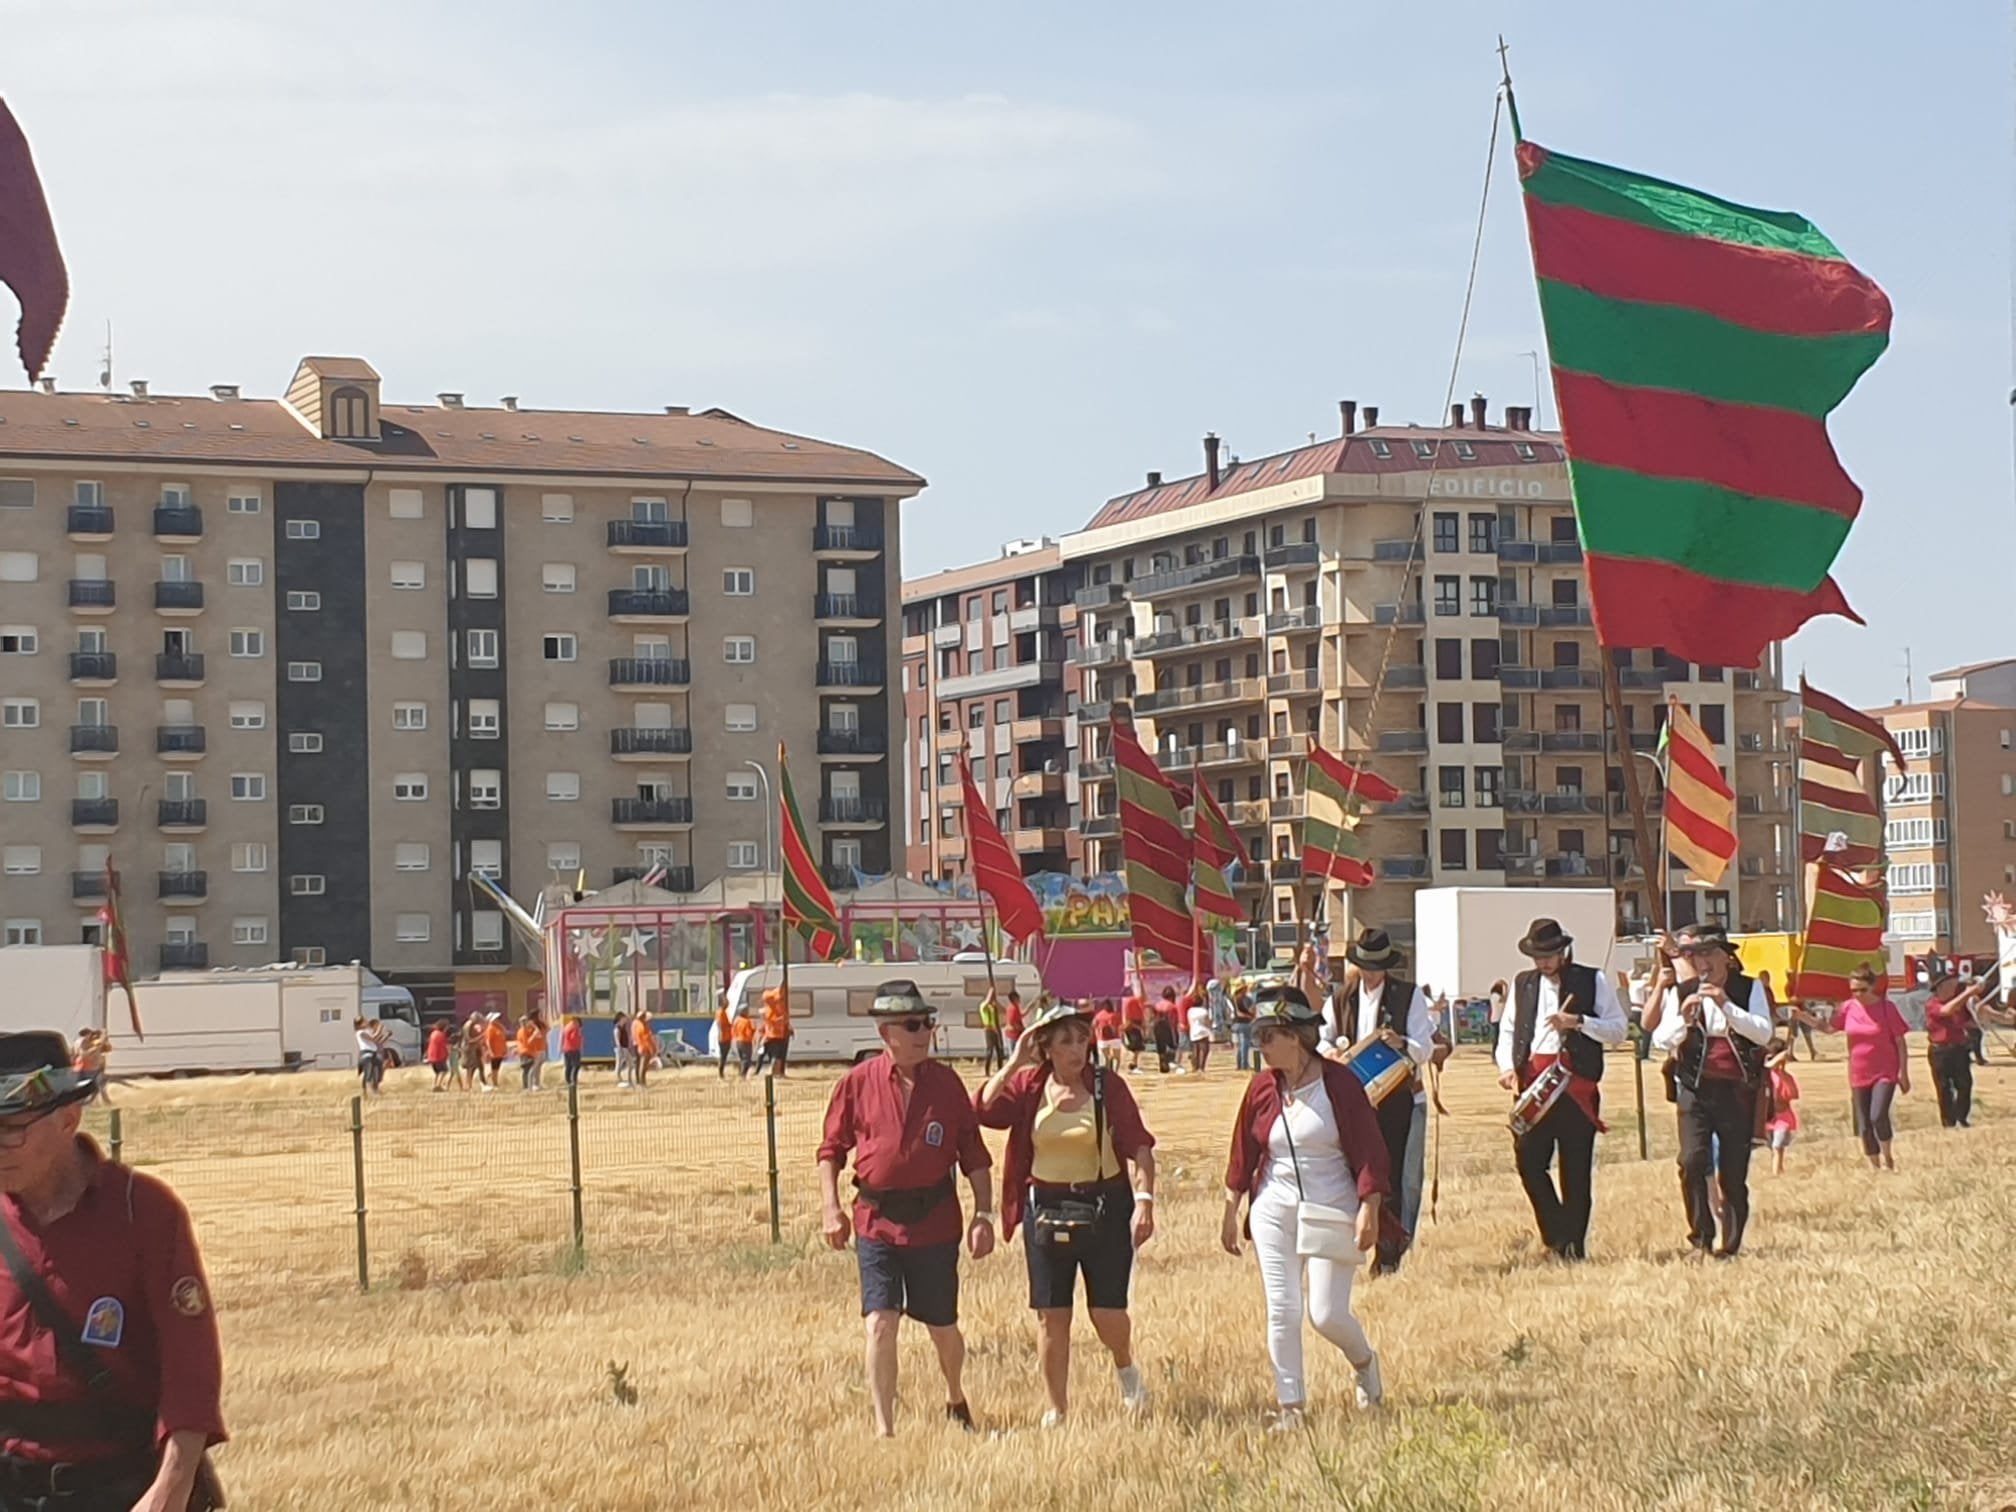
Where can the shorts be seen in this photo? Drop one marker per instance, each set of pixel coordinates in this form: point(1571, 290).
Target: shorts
point(439, 1068)
point(1106, 1261)
point(921, 1280)
point(1109, 1047)
point(1781, 1139)
point(472, 1060)
point(1135, 1042)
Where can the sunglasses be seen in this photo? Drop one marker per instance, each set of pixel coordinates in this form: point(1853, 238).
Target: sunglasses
point(14, 1131)
point(915, 1025)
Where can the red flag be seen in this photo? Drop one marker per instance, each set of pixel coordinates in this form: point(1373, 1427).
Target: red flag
point(995, 870)
point(31, 263)
point(117, 957)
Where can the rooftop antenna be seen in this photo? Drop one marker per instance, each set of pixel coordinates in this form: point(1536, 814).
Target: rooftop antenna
point(1539, 421)
point(105, 373)
point(1908, 697)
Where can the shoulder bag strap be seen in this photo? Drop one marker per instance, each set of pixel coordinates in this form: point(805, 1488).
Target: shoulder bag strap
point(1099, 1125)
point(1293, 1159)
point(70, 1351)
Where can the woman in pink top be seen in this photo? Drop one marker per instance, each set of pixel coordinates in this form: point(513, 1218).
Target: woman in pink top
point(1876, 1067)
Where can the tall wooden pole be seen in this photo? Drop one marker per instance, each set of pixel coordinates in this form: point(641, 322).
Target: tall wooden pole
point(1650, 857)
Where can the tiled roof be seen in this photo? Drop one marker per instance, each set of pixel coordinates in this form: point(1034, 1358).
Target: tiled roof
point(1972, 667)
point(1001, 569)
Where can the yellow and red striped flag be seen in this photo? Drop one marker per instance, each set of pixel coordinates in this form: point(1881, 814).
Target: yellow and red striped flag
point(1700, 804)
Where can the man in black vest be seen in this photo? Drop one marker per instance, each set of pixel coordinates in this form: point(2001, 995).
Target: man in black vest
point(1716, 1028)
point(1383, 1003)
point(1560, 1011)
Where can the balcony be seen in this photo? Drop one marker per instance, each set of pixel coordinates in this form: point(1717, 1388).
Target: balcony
point(1096, 713)
point(178, 598)
point(1037, 785)
point(1295, 556)
point(1199, 695)
point(1751, 682)
point(1573, 803)
point(1395, 553)
point(93, 595)
point(1404, 742)
point(1285, 869)
point(1407, 676)
point(1294, 806)
point(1287, 747)
point(1560, 553)
point(179, 669)
point(1518, 679)
point(87, 886)
point(1561, 678)
point(180, 742)
point(1196, 575)
point(1215, 753)
point(1098, 769)
point(854, 813)
point(1286, 684)
point(1189, 637)
point(1099, 653)
point(642, 673)
point(1100, 596)
point(1035, 617)
point(850, 674)
point(1413, 806)
point(1752, 804)
point(183, 813)
point(1559, 615)
point(94, 668)
point(178, 522)
point(1571, 740)
point(1402, 868)
point(635, 743)
point(1247, 811)
point(185, 955)
point(94, 813)
point(1100, 826)
point(1036, 728)
point(89, 522)
point(1517, 800)
point(647, 605)
point(639, 536)
point(846, 540)
point(183, 886)
point(1620, 803)
point(1037, 841)
point(1521, 741)
point(651, 813)
point(1645, 679)
point(860, 608)
point(1518, 552)
point(675, 879)
point(949, 848)
point(842, 877)
point(948, 634)
point(853, 743)
point(93, 740)
point(1295, 621)
point(1029, 674)
point(1518, 614)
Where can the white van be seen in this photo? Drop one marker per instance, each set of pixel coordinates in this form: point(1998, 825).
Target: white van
point(829, 1004)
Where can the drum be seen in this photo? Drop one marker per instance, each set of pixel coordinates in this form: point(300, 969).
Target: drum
point(1381, 1067)
point(1538, 1100)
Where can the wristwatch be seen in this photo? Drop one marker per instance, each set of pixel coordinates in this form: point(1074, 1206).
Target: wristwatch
point(986, 1218)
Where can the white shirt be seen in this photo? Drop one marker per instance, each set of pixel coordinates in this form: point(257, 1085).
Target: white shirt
point(1200, 1022)
point(1366, 1017)
point(1603, 1022)
point(1752, 1020)
point(1306, 1114)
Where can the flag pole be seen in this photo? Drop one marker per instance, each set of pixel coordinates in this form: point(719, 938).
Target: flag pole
point(1634, 791)
point(783, 934)
point(1196, 918)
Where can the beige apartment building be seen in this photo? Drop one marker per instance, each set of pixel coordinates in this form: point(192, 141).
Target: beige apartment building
point(1412, 597)
point(301, 666)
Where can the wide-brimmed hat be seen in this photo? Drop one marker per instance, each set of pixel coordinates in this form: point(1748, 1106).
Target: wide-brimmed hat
point(36, 1075)
point(1284, 1004)
point(1056, 1013)
point(899, 999)
point(1546, 937)
point(1373, 951)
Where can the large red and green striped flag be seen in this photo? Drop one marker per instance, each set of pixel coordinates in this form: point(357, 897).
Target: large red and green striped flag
point(993, 866)
point(808, 904)
point(1156, 851)
point(1698, 347)
point(1844, 930)
point(1215, 845)
point(1335, 795)
point(1838, 815)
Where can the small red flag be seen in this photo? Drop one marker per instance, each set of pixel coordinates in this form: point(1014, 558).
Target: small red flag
point(118, 958)
point(31, 263)
point(995, 870)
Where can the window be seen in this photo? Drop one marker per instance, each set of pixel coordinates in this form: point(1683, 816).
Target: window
point(479, 577)
point(740, 717)
point(743, 855)
point(1484, 727)
point(738, 648)
point(19, 567)
point(248, 787)
point(304, 671)
point(248, 643)
point(17, 493)
point(21, 860)
point(243, 501)
point(1715, 722)
point(479, 508)
point(1483, 597)
point(1484, 658)
point(486, 788)
point(175, 569)
point(96, 713)
point(1484, 534)
point(485, 717)
point(409, 574)
point(1490, 850)
point(1425, 450)
point(409, 645)
point(740, 582)
point(300, 599)
point(245, 572)
point(1449, 786)
point(1445, 532)
point(1448, 595)
point(98, 785)
point(1915, 834)
point(18, 640)
point(1907, 877)
point(563, 856)
point(248, 931)
point(1455, 845)
point(304, 813)
point(22, 932)
point(560, 648)
point(486, 930)
point(21, 787)
point(557, 577)
point(1920, 740)
point(563, 716)
point(556, 509)
point(1449, 723)
point(486, 858)
point(409, 716)
point(1448, 658)
point(650, 511)
point(411, 856)
point(1919, 926)
point(406, 503)
point(1567, 592)
point(307, 884)
point(1484, 783)
point(410, 787)
point(413, 928)
point(563, 787)
point(742, 787)
point(482, 648)
point(1914, 787)
point(20, 713)
point(304, 530)
point(737, 514)
point(304, 742)
point(309, 955)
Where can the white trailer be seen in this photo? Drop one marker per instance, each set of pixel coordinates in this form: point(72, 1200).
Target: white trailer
point(268, 1018)
point(53, 987)
point(829, 1004)
point(1466, 938)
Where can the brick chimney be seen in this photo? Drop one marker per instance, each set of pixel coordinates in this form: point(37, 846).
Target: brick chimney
point(1347, 411)
point(1456, 416)
point(1477, 409)
point(1154, 480)
point(1211, 459)
point(1371, 416)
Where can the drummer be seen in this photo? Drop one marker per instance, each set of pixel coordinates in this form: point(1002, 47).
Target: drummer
point(1381, 1004)
point(1559, 1010)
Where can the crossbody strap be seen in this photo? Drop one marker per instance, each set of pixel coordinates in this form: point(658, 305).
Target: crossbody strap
point(70, 1351)
point(1099, 1127)
point(1293, 1159)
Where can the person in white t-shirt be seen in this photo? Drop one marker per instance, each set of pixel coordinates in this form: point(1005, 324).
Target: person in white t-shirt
point(1199, 1017)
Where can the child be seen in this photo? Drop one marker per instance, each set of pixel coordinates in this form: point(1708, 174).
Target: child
point(1784, 1099)
point(437, 1054)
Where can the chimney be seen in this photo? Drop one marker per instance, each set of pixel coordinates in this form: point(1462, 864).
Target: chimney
point(1456, 416)
point(678, 409)
point(1211, 459)
point(1477, 408)
point(139, 388)
point(1154, 480)
point(509, 401)
point(48, 385)
point(1347, 410)
point(223, 391)
point(450, 401)
point(1371, 416)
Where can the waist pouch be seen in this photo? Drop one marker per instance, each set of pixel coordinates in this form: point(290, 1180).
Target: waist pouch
point(1066, 1218)
point(905, 1204)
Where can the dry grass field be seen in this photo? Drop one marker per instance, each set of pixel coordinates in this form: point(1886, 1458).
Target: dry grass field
point(1860, 1355)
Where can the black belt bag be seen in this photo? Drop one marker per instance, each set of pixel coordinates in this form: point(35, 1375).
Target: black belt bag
point(904, 1205)
point(1066, 1220)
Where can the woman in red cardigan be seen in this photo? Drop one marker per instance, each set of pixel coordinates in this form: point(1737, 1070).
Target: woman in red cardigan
point(1306, 1138)
point(1072, 1132)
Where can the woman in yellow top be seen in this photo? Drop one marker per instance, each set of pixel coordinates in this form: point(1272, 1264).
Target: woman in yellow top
point(1072, 1133)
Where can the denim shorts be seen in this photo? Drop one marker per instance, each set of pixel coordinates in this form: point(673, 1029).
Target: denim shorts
point(921, 1280)
point(1106, 1259)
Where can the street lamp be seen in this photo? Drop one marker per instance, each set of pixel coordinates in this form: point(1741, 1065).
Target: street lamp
point(769, 821)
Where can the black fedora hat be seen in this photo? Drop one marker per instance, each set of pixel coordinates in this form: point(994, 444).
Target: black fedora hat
point(1283, 1003)
point(36, 1075)
point(899, 999)
point(1705, 936)
point(1546, 937)
point(1373, 951)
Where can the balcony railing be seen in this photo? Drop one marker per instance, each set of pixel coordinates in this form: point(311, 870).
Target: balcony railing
point(93, 593)
point(178, 595)
point(90, 519)
point(847, 606)
point(1569, 677)
point(1301, 680)
point(93, 666)
point(178, 666)
point(662, 741)
point(180, 740)
point(650, 672)
point(1097, 769)
point(1402, 868)
point(1098, 653)
point(1571, 740)
point(650, 603)
point(1294, 554)
point(102, 738)
point(663, 535)
point(184, 884)
point(1404, 741)
point(850, 674)
point(1398, 614)
point(1396, 551)
point(1099, 826)
point(86, 885)
point(1293, 621)
point(853, 810)
point(852, 742)
point(1183, 637)
point(1416, 803)
point(1560, 553)
point(1407, 675)
point(846, 538)
point(1229, 690)
point(94, 813)
point(1096, 713)
point(1645, 678)
point(842, 877)
point(178, 521)
point(1518, 679)
point(183, 813)
point(678, 879)
point(1196, 575)
point(185, 955)
point(1285, 869)
point(1573, 803)
point(1563, 614)
point(1518, 614)
point(651, 811)
point(1518, 551)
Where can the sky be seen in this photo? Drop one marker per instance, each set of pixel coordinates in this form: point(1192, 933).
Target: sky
point(1031, 250)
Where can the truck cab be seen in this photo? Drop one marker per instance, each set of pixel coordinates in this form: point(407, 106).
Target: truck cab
point(395, 1009)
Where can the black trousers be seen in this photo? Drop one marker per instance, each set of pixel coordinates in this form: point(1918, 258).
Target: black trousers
point(1977, 1045)
point(1396, 1122)
point(1724, 1111)
point(1565, 1133)
point(1953, 1080)
point(1165, 1044)
point(997, 1052)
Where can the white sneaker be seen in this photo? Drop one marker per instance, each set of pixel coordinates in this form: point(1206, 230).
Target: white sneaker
point(1053, 1419)
point(1287, 1420)
point(1133, 1390)
point(1371, 1390)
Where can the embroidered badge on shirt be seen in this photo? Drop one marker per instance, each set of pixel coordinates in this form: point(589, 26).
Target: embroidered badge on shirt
point(188, 1297)
point(934, 1133)
point(105, 1324)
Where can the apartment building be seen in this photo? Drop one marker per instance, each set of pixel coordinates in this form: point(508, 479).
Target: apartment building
point(301, 666)
point(985, 651)
point(1949, 818)
point(1412, 597)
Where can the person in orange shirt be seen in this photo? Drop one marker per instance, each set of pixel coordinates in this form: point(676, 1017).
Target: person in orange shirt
point(744, 1035)
point(776, 1030)
point(645, 1044)
point(724, 1036)
point(531, 1051)
point(494, 1047)
point(570, 1046)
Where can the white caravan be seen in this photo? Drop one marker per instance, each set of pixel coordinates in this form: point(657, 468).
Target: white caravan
point(829, 1004)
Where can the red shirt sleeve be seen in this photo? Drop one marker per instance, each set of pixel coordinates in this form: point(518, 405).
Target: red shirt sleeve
point(1243, 1160)
point(185, 1323)
point(973, 1154)
point(1358, 1131)
point(1010, 1106)
point(838, 1139)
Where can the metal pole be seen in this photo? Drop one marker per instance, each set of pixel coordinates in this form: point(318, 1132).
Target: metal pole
point(1655, 900)
point(770, 1135)
point(574, 1166)
point(357, 1170)
point(1638, 1078)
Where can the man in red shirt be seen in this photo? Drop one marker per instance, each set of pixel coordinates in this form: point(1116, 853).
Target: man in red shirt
point(1168, 1017)
point(1951, 1014)
point(908, 1121)
point(110, 1368)
point(1134, 1028)
point(1015, 1019)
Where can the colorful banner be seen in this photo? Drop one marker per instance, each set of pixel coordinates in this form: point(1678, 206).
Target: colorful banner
point(1083, 908)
